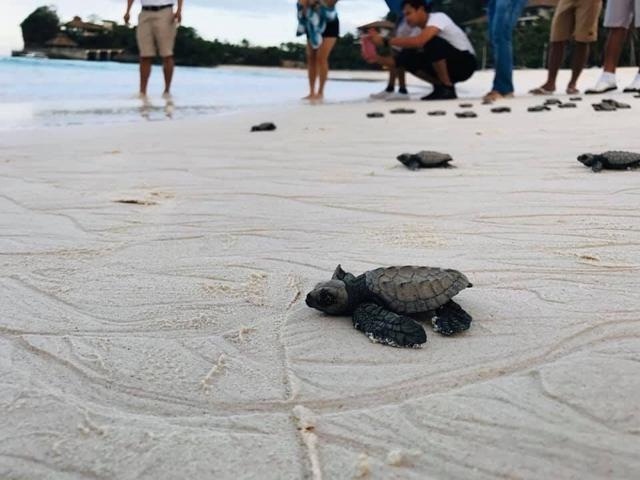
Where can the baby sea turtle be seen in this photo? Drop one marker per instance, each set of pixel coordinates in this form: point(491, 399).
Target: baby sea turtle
point(613, 160)
point(375, 115)
point(604, 107)
point(402, 111)
point(467, 114)
point(380, 300)
point(567, 105)
point(575, 99)
point(539, 108)
point(501, 110)
point(437, 113)
point(615, 103)
point(466, 105)
point(552, 101)
point(263, 127)
point(425, 159)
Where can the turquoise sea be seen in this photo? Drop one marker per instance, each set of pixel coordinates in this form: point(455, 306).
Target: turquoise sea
point(42, 93)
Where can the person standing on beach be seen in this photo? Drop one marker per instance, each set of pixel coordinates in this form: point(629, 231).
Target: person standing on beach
point(503, 18)
point(318, 15)
point(577, 19)
point(441, 54)
point(618, 18)
point(156, 34)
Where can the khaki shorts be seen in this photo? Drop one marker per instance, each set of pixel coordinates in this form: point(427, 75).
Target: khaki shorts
point(620, 13)
point(576, 19)
point(156, 33)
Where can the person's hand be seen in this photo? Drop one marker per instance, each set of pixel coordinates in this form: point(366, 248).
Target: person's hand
point(375, 37)
point(178, 16)
point(127, 17)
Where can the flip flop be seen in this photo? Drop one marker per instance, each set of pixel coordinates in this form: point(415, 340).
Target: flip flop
point(541, 91)
point(572, 91)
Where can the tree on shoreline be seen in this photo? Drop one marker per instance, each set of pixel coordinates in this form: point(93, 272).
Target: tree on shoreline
point(40, 26)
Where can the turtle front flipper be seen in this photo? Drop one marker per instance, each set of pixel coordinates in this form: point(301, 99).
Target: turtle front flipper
point(384, 326)
point(340, 274)
point(450, 319)
point(597, 166)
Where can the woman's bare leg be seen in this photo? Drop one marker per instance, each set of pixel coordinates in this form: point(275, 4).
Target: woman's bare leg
point(323, 63)
point(312, 71)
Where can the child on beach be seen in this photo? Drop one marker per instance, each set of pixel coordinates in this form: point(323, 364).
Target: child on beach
point(403, 30)
point(441, 54)
point(318, 19)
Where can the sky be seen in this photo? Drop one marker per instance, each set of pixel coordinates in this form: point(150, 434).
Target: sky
point(262, 22)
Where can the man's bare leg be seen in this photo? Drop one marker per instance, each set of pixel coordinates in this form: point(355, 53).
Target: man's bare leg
point(168, 66)
point(580, 56)
point(556, 54)
point(613, 48)
point(145, 73)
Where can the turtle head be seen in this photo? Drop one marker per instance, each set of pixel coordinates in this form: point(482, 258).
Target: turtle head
point(329, 297)
point(409, 160)
point(593, 161)
point(588, 159)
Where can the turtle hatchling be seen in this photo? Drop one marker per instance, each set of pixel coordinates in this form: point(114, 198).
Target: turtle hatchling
point(264, 127)
point(613, 160)
point(425, 159)
point(379, 302)
point(401, 111)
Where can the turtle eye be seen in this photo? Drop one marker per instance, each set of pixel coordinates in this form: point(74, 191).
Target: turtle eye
point(326, 298)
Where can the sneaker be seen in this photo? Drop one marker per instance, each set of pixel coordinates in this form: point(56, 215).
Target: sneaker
point(397, 96)
point(607, 83)
point(441, 92)
point(635, 85)
point(381, 95)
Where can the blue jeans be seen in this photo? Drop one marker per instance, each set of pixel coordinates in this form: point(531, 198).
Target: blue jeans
point(503, 18)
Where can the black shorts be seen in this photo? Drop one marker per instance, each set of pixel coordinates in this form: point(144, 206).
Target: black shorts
point(332, 30)
point(460, 64)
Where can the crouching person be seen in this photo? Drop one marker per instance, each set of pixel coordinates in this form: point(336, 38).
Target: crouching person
point(441, 54)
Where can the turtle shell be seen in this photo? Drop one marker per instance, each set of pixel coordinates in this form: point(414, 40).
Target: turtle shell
point(622, 159)
point(433, 159)
point(415, 289)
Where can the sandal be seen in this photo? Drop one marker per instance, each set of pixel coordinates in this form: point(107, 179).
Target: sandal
point(541, 91)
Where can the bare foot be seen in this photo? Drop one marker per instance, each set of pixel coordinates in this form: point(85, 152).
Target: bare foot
point(572, 90)
point(311, 96)
point(492, 96)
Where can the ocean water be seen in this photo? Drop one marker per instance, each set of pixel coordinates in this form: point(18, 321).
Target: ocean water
point(41, 92)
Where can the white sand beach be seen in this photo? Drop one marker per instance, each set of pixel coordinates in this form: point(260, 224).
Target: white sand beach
point(169, 338)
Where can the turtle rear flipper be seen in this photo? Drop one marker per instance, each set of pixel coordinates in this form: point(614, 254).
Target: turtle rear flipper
point(450, 319)
point(386, 327)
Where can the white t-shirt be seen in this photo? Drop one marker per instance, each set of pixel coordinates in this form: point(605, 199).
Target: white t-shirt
point(450, 32)
point(404, 30)
point(156, 3)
